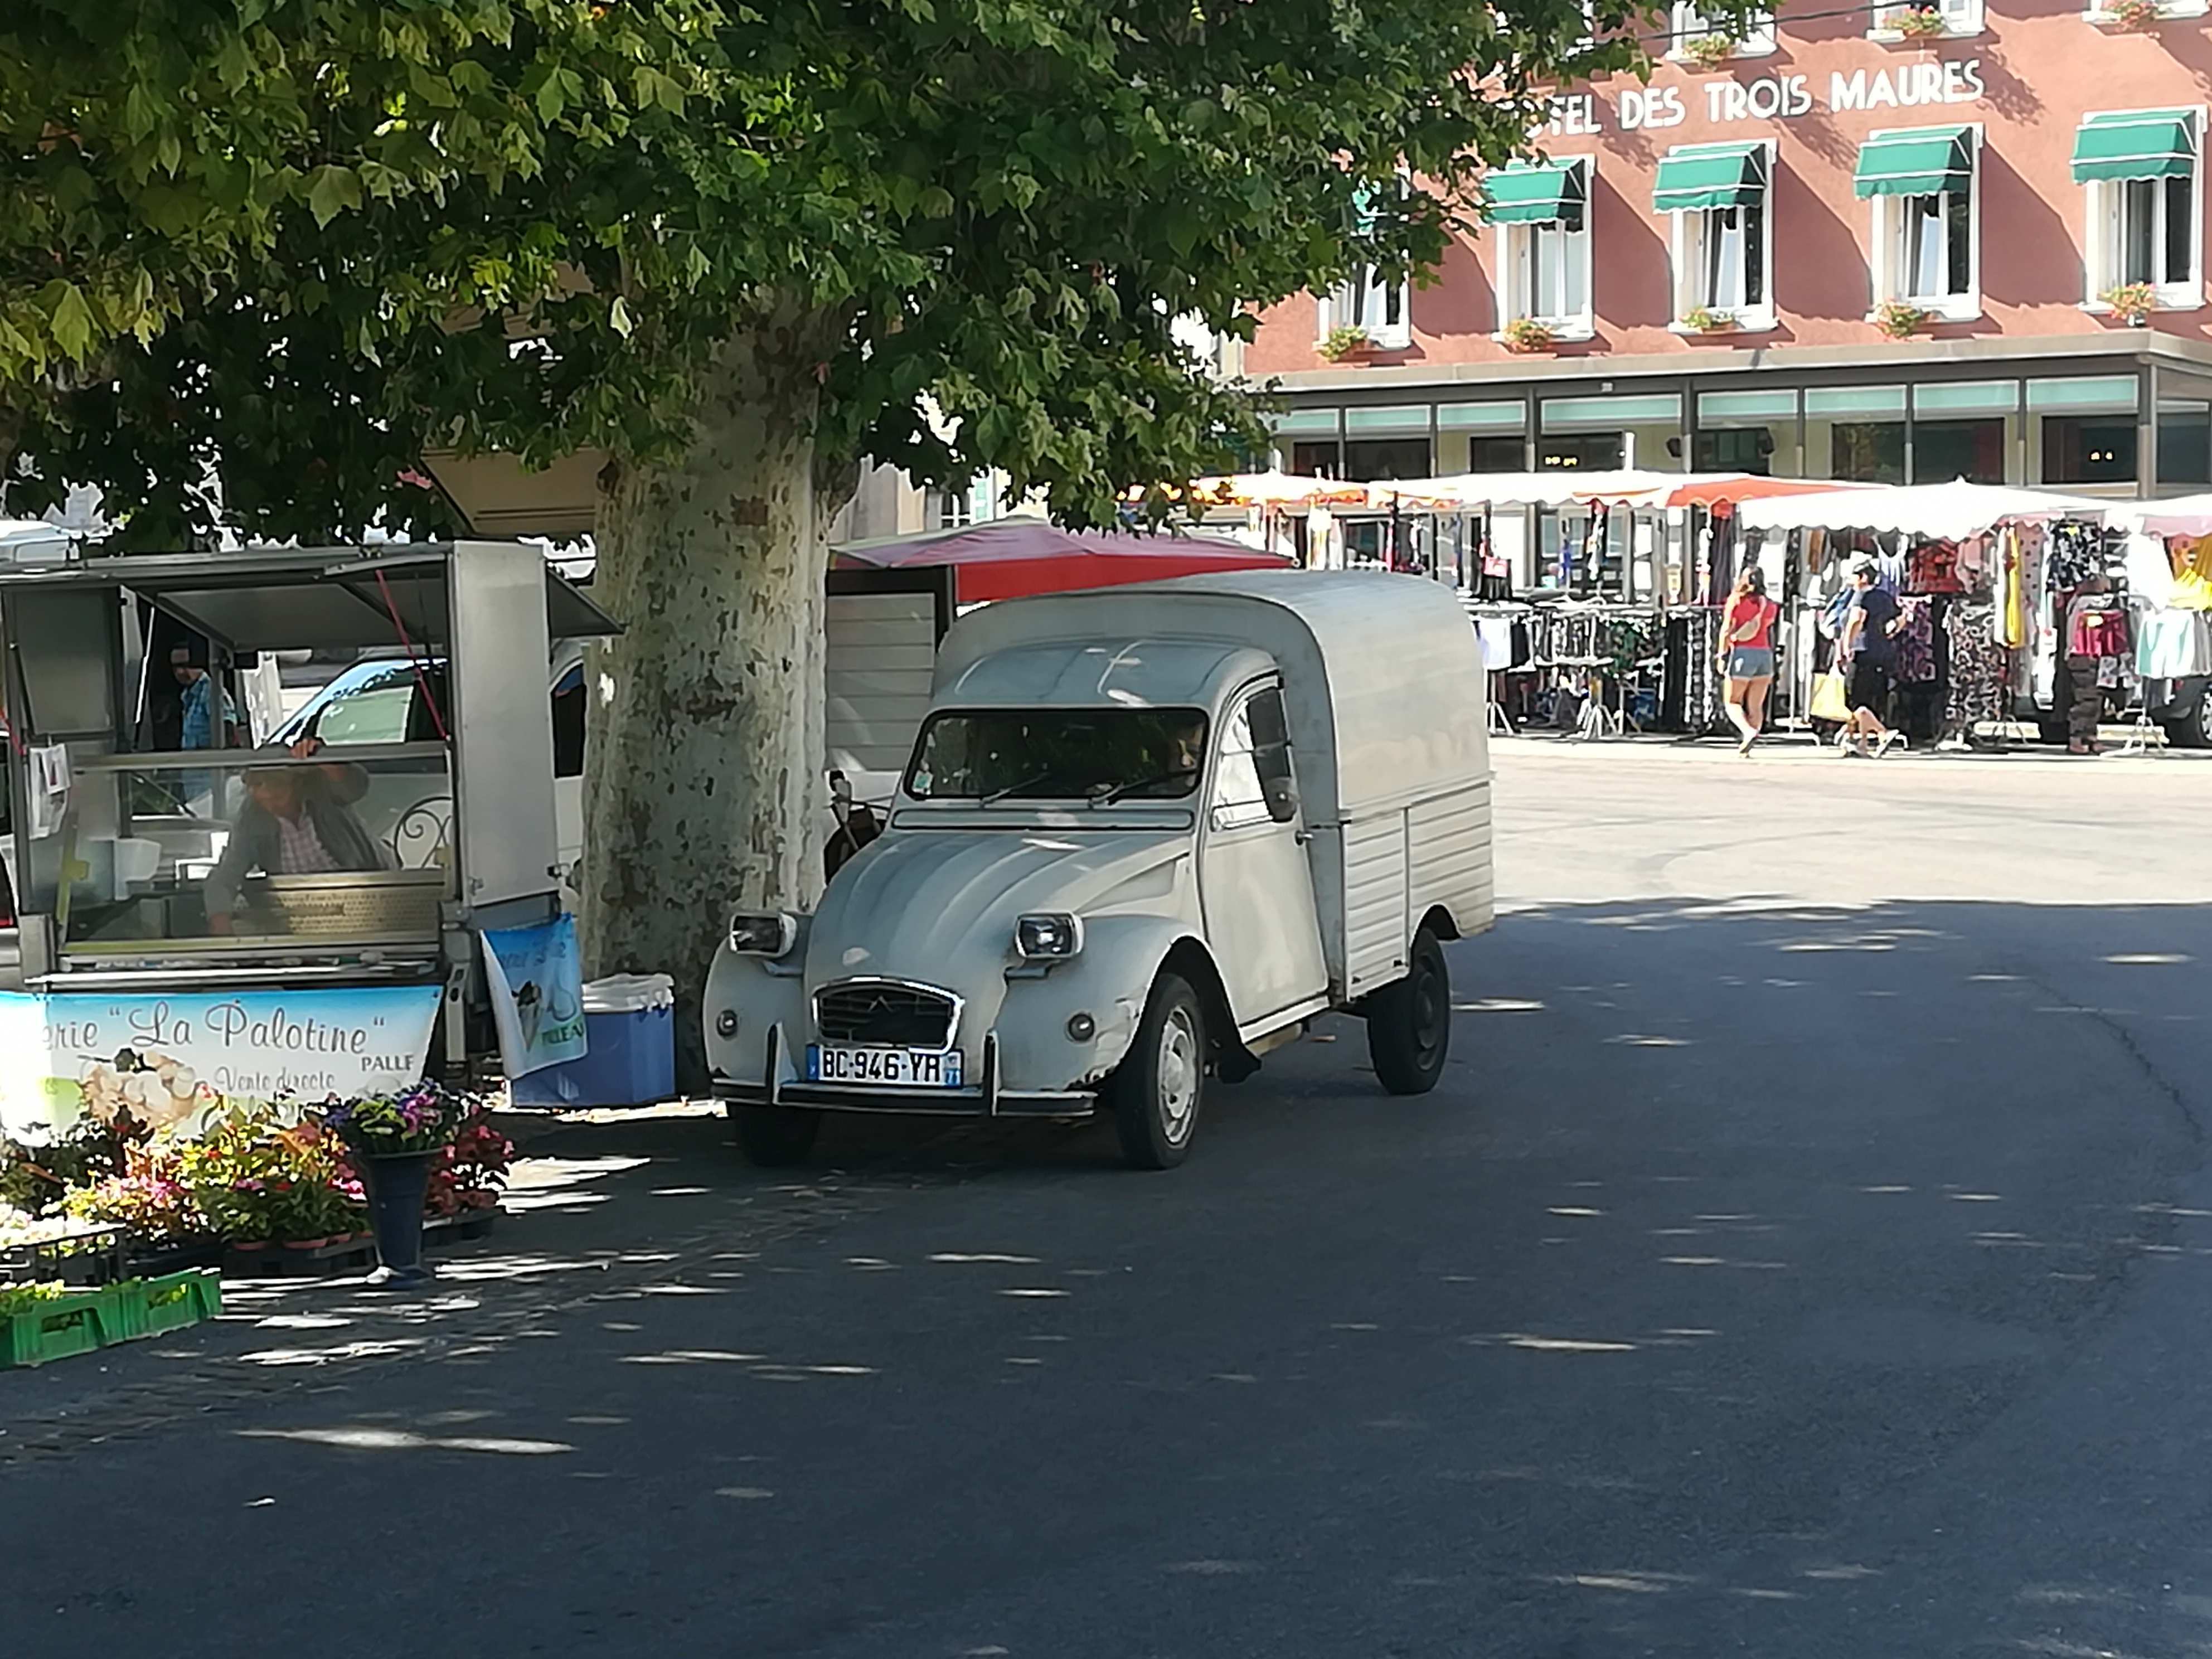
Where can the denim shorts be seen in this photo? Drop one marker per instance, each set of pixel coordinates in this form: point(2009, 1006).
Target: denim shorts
point(1751, 662)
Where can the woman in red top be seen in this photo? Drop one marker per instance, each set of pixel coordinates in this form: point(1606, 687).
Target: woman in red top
point(1746, 654)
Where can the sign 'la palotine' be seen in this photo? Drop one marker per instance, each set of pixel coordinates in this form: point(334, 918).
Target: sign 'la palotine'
point(1773, 97)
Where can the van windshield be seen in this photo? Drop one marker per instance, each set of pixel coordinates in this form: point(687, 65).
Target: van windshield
point(1059, 754)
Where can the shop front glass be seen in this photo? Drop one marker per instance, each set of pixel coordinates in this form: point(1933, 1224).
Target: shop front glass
point(1753, 432)
point(1484, 437)
point(1856, 433)
point(2184, 443)
point(235, 848)
point(1387, 443)
point(1594, 434)
point(2084, 429)
point(1308, 437)
point(1966, 429)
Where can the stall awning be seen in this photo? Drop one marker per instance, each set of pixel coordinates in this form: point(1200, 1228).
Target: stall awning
point(2143, 143)
point(1694, 176)
point(1926, 161)
point(1535, 193)
point(300, 599)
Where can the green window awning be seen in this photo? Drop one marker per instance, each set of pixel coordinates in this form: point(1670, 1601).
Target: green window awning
point(1926, 161)
point(1536, 193)
point(1697, 176)
point(2144, 144)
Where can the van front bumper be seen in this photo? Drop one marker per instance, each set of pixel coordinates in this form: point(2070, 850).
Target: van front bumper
point(986, 1099)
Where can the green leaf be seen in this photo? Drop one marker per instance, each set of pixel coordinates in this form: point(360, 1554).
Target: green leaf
point(619, 317)
point(331, 189)
point(68, 317)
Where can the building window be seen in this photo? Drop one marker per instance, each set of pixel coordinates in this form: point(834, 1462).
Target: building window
point(1922, 184)
point(1957, 17)
point(2141, 172)
point(1718, 195)
point(1378, 306)
point(1542, 212)
point(1756, 40)
point(950, 509)
point(2088, 449)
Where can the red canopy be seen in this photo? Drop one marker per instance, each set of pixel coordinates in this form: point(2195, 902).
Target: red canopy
point(1012, 558)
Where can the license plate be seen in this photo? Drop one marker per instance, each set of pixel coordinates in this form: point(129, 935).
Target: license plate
point(890, 1068)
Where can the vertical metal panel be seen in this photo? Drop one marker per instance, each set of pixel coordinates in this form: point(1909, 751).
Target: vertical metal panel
point(502, 722)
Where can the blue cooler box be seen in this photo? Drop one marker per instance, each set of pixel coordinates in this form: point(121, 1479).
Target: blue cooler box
point(629, 1025)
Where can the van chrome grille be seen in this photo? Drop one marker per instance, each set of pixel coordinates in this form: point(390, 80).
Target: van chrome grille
point(885, 1014)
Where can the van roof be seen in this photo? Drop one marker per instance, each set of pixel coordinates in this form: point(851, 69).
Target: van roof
point(1383, 678)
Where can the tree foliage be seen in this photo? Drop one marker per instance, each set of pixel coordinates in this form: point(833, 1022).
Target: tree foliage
point(277, 247)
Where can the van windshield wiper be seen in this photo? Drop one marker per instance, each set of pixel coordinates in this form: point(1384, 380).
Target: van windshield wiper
point(997, 795)
point(1108, 797)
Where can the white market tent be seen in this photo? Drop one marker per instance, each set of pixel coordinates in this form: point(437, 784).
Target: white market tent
point(1471, 492)
point(1947, 511)
point(2179, 515)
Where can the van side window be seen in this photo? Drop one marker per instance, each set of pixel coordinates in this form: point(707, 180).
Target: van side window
point(1252, 779)
point(568, 724)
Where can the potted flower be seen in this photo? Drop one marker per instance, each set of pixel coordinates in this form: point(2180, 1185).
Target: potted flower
point(2132, 302)
point(1527, 334)
point(254, 1181)
point(2137, 15)
point(1709, 52)
point(1345, 340)
point(1705, 319)
point(395, 1139)
point(1918, 22)
point(1900, 320)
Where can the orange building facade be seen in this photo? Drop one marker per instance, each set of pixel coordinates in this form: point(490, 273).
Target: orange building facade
point(1899, 244)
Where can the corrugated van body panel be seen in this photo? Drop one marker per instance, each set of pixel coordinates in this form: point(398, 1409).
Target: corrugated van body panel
point(1450, 849)
point(1375, 925)
point(881, 653)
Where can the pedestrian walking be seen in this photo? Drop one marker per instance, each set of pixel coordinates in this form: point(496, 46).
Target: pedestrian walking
point(1747, 654)
point(1868, 647)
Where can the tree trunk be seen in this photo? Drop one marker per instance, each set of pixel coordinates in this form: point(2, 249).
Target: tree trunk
point(700, 779)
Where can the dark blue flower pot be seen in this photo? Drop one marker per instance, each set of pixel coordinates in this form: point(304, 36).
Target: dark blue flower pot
point(397, 1185)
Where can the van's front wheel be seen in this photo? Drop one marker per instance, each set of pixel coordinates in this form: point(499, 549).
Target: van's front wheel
point(1155, 1092)
point(774, 1136)
point(1409, 1022)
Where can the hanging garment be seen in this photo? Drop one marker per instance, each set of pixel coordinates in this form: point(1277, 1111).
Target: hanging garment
point(2174, 645)
point(2077, 552)
point(1977, 666)
point(1496, 634)
point(2097, 626)
point(1933, 568)
point(1916, 643)
point(2011, 619)
point(2150, 572)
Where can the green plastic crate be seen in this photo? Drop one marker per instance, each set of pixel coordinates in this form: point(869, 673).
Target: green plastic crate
point(175, 1300)
point(65, 1326)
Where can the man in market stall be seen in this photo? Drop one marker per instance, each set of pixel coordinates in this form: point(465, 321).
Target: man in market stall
point(298, 820)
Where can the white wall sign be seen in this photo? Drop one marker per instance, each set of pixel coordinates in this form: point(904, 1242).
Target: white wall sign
point(1770, 98)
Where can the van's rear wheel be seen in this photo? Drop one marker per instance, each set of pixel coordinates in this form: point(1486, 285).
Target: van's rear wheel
point(1409, 1022)
point(1156, 1089)
point(774, 1136)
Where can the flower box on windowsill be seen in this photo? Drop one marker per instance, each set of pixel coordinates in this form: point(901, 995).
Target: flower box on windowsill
point(1525, 335)
point(1730, 324)
point(2141, 16)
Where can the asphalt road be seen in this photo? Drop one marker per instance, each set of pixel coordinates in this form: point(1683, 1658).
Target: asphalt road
point(1807, 1255)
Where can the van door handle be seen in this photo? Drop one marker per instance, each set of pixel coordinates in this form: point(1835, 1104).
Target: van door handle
point(1303, 837)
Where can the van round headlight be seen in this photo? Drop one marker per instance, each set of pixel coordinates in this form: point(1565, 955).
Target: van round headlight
point(767, 933)
point(1053, 936)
